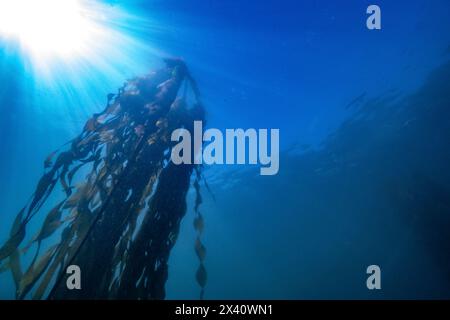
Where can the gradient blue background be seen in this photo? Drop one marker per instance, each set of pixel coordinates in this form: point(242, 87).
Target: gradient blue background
point(292, 65)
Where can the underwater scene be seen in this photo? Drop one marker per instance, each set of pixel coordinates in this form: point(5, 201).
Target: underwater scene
point(224, 149)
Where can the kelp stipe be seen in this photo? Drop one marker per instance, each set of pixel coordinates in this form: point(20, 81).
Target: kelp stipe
point(199, 225)
point(124, 152)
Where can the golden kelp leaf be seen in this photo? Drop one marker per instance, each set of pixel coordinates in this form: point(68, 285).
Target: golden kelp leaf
point(71, 216)
point(51, 223)
point(60, 253)
point(102, 173)
point(34, 272)
point(201, 276)
point(96, 200)
point(198, 196)
point(44, 184)
point(113, 109)
point(153, 139)
point(120, 251)
point(86, 140)
point(106, 136)
point(199, 224)
point(173, 236)
point(82, 224)
point(11, 245)
point(17, 224)
point(139, 130)
point(76, 197)
point(17, 234)
point(73, 172)
point(114, 287)
point(49, 159)
point(200, 250)
point(110, 96)
point(162, 123)
point(67, 189)
point(91, 124)
point(49, 275)
point(4, 267)
point(16, 269)
point(152, 108)
point(40, 291)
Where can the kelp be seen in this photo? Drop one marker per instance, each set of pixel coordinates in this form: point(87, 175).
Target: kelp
point(200, 249)
point(122, 169)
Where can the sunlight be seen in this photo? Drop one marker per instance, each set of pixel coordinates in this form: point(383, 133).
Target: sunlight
point(61, 43)
point(47, 26)
point(68, 54)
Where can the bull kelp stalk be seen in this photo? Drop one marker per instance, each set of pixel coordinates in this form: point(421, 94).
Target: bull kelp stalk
point(122, 157)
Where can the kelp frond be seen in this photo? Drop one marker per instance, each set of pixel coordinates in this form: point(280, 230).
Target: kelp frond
point(116, 170)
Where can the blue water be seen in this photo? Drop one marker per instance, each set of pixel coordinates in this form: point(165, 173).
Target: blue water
point(358, 185)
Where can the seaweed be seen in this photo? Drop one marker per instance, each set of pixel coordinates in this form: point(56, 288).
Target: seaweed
point(200, 250)
point(122, 156)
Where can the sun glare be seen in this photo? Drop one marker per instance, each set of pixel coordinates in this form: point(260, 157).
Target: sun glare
point(63, 42)
point(59, 27)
